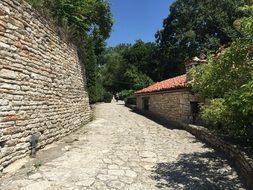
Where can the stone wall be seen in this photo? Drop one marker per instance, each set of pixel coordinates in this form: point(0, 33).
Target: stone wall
point(240, 159)
point(171, 105)
point(42, 86)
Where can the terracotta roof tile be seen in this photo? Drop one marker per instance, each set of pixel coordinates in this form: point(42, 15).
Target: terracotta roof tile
point(169, 84)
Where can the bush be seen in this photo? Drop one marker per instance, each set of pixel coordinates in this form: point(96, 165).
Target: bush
point(96, 93)
point(221, 117)
point(213, 113)
point(131, 100)
point(126, 93)
point(107, 97)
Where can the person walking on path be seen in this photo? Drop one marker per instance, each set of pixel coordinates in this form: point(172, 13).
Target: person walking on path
point(117, 97)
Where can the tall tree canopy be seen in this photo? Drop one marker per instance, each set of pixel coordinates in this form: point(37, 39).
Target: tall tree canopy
point(145, 57)
point(194, 27)
point(130, 67)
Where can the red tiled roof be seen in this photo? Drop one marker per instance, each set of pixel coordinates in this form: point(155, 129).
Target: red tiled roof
point(169, 84)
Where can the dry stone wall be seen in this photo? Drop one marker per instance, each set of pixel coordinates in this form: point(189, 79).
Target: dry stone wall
point(171, 105)
point(42, 83)
point(239, 158)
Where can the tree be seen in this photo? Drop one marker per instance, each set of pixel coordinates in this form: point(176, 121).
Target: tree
point(129, 67)
point(113, 67)
point(227, 80)
point(194, 27)
point(144, 56)
point(137, 78)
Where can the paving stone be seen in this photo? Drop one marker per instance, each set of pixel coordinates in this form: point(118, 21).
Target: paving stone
point(21, 183)
point(118, 162)
point(147, 154)
point(86, 182)
point(151, 160)
point(42, 185)
point(107, 161)
point(116, 172)
point(140, 155)
point(100, 185)
point(11, 169)
point(131, 173)
point(127, 180)
point(116, 184)
point(35, 176)
point(103, 177)
point(113, 167)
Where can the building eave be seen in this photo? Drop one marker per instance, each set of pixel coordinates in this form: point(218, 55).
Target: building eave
point(163, 91)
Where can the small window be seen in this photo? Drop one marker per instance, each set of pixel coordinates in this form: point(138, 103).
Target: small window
point(145, 102)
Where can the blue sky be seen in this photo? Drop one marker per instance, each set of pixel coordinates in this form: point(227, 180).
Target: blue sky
point(137, 19)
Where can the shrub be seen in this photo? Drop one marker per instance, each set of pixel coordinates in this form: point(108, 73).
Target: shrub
point(131, 100)
point(214, 112)
point(107, 97)
point(126, 93)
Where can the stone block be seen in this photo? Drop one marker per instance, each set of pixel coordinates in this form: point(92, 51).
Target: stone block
point(6, 73)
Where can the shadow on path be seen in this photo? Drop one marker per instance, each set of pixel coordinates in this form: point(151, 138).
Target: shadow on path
point(198, 171)
point(159, 120)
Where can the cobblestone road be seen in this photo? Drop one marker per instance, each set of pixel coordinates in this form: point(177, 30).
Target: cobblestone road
point(124, 150)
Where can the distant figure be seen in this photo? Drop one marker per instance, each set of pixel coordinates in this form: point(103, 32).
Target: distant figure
point(113, 99)
point(117, 97)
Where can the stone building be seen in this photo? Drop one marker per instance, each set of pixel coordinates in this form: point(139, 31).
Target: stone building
point(171, 99)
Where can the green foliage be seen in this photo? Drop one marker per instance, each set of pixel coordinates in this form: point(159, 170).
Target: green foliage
point(128, 67)
point(136, 78)
point(226, 73)
point(107, 97)
point(245, 24)
point(82, 16)
point(95, 93)
point(228, 80)
point(89, 59)
point(112, 69)
point(130, 100)
point(194, 27)
point(145, 57)
point(126, 93)
point(214, 113)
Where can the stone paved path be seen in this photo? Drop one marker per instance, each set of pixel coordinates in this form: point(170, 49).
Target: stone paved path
point(126, 151)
